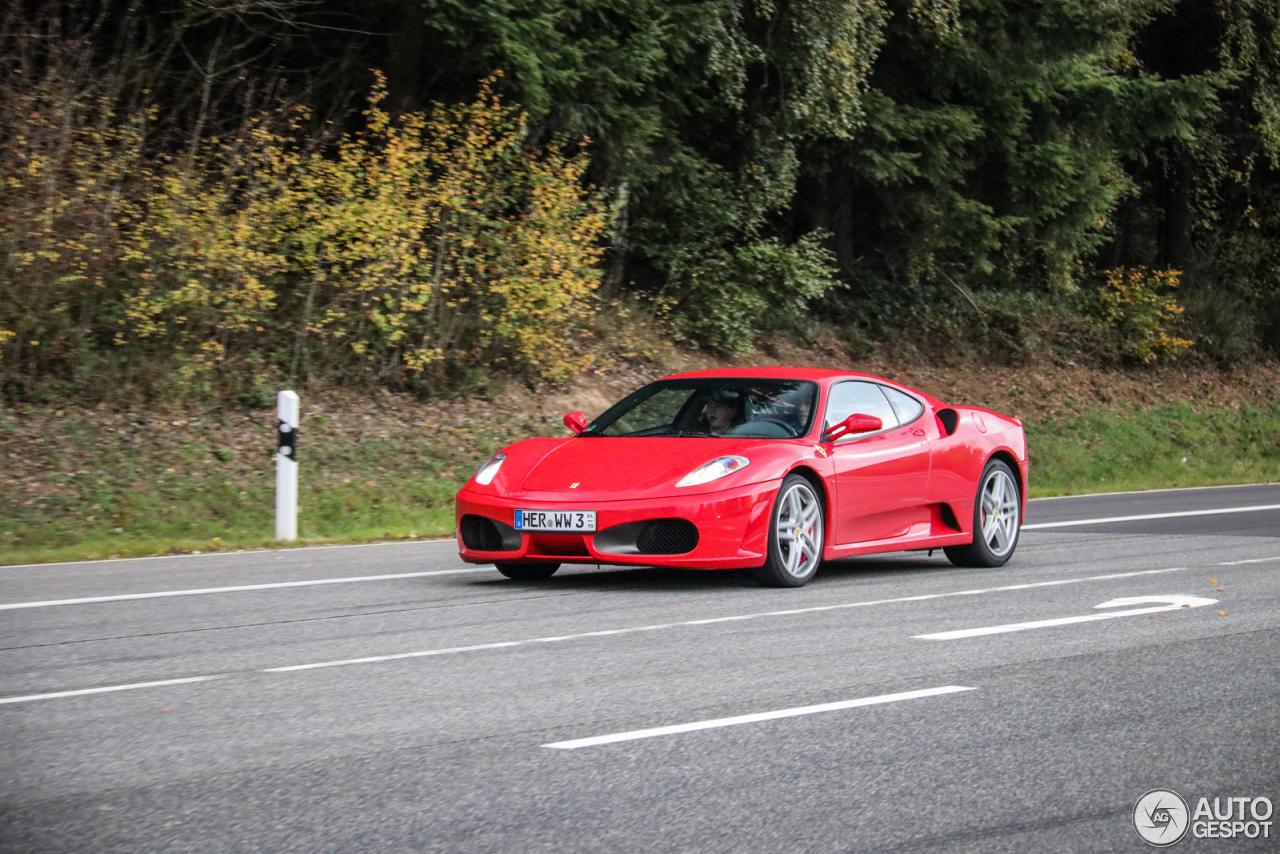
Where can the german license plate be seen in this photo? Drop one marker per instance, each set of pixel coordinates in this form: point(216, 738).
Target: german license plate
point(560, 521)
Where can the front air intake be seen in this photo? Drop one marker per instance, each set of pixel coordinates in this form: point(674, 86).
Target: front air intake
point(667, 537)
point(649, 537)
point(482, 534)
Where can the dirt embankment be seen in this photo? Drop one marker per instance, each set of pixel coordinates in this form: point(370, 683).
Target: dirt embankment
point(1036, 392)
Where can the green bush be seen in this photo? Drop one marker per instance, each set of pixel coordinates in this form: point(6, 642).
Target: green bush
point(726, 298)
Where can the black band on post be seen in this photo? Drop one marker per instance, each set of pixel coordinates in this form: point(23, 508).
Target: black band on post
point(287, 443)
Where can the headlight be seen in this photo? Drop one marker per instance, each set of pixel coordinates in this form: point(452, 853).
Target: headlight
point(488, 471)
point(714, 470)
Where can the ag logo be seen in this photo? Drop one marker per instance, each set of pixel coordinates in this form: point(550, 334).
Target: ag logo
point(1161, 817)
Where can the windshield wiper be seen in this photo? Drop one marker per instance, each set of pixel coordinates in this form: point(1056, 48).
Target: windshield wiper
point(666, 434)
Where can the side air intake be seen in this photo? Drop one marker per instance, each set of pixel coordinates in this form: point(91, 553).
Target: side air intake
point(948, 419)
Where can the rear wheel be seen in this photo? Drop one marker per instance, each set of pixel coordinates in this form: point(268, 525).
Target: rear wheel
point(796, 535)
point(527, 570)
point(997, 520)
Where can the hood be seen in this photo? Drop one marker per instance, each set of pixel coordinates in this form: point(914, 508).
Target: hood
point(620, 464)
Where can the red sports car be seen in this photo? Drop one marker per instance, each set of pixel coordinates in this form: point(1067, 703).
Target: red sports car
point(770, 469)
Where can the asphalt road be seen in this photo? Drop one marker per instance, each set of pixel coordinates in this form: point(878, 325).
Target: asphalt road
point(427, 727)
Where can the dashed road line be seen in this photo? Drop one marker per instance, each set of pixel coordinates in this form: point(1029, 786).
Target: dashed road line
point(593, 634)
point(717, 723)
point(108, 689)
point(790, 612)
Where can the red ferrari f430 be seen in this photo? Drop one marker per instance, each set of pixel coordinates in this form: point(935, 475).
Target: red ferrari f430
point(770, 469)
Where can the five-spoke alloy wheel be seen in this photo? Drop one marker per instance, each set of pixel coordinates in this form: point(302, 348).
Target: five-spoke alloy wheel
point(796, 535)
point(997, 520)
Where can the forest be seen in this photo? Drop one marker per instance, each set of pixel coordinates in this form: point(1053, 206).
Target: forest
point(214, 197)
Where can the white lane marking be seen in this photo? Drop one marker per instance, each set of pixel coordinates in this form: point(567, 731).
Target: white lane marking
point(631, 630)
point(1146, 516)
point(108, 689)
point(755, 718)
point(1166, 603)
point(1251, 560)
point(203, 591)
point(1156, 491)
point(377, 659)
point(259, 552)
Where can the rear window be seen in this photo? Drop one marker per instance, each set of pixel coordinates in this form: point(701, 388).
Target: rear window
point(906, 407)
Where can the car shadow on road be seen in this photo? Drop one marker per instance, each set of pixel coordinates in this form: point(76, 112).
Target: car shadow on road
point(630, 579)
point(651, 579)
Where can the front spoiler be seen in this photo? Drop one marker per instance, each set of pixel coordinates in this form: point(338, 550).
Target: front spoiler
point(733, 527)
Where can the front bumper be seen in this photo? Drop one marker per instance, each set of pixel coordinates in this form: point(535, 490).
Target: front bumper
point(733, 528)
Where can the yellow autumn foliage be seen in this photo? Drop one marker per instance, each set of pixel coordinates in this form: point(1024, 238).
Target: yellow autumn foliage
point(1136, 303)
point(432, 237)
point(67, 176)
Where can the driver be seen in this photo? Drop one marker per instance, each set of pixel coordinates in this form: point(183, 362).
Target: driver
point(790, 410)
point(723, 412)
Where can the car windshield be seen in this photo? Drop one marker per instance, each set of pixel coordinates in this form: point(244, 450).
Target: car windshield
point(737, 407)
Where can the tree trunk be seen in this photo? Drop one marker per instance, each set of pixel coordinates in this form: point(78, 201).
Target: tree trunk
point(826, 202)
point(404, 58)
point(616, 258)
point(1176, 248)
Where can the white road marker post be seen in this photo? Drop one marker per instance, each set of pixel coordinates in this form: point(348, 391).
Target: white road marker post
point(287, 466)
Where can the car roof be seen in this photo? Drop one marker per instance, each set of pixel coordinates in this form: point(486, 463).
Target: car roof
point(816, 374)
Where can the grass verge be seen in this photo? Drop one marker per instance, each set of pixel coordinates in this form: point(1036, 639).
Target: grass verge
point(1131, 448)
point(86, 485)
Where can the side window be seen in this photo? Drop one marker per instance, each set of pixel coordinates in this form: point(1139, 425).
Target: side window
point(866, 398)
point(907, 407)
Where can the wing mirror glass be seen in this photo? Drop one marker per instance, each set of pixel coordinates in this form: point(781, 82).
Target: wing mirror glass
point(855, 423)
point(576, 421)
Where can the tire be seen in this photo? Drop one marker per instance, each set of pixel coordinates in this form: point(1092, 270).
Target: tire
point(797, 527)
point(997, 520)
point(527, 570)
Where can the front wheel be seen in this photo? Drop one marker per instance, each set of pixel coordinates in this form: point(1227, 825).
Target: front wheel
point(796, 535)
point(997, 520)
point(527, 570)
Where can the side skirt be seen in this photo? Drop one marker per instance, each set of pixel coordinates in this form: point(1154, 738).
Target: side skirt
point(896, 544)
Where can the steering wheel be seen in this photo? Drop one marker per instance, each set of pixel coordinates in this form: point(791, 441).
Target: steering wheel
point(788, 428)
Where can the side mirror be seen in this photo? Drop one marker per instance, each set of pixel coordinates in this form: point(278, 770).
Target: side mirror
point(576, 421)
point(855, 423)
